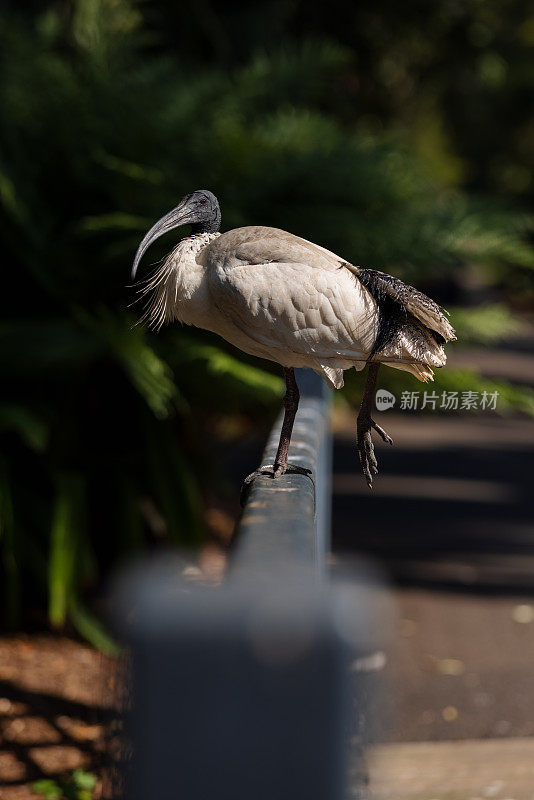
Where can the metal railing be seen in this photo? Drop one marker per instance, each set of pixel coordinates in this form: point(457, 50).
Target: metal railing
point(288, 519)
point(242, 691)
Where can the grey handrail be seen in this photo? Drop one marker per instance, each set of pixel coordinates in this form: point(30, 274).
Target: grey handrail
point(288, 519)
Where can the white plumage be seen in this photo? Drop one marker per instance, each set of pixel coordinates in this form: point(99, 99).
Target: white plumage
point(283, 298)
point(280, 297)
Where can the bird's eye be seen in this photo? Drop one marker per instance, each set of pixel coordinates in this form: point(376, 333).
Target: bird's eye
point(203, 202)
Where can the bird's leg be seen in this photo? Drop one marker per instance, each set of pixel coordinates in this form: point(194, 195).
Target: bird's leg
point(280, 466)
point(365, 424)
point(291, 404)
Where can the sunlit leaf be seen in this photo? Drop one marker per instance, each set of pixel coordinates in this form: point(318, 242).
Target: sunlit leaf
point(83, 779)
point(220, 363)
point(48, 788)
point(91, 629)
point(65, 536)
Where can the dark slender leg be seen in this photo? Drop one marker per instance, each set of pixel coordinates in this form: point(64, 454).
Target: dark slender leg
point(280, 466)
point(364, 426)
point(291, 404)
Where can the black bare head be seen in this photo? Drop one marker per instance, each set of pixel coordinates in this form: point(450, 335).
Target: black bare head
point(202, 210)
point(199, 209)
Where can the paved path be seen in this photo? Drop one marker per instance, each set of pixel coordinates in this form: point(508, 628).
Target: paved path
point(451, 521)
point(457, 666)
point(453, 504)
point(472, 770)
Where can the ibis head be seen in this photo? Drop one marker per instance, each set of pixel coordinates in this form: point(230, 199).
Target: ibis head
point(199, 209)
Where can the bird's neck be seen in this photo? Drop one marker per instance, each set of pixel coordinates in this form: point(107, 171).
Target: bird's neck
point(211, 226)
point(176, 288)
point(190, 246)
point(182, 265)
point(204, 227)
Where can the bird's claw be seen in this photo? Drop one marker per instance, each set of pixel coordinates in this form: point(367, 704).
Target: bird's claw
point(381, 432)
point(366, 447)
point(273, 471)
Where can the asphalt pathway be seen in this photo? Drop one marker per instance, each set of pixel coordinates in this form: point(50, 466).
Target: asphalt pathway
point(449, 698)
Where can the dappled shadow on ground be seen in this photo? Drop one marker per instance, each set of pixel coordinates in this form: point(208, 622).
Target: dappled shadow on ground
point(57, 712)
point(46, 735)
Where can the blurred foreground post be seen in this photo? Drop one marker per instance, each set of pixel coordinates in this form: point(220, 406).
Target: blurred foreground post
point(242, 691)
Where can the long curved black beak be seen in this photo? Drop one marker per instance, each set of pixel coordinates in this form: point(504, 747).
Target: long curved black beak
point(175, 218)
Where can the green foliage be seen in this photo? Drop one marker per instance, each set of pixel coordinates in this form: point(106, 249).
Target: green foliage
point(48, 789)
point(79, 786)
point(484, 324)
point(103, 129)
point(65, 534)
point(241, 377)
point(91, 628)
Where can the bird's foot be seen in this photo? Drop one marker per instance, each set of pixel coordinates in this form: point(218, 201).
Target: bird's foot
point(273, 471)
point(366, 447)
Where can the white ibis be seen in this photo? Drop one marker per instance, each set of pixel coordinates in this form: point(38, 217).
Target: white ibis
point(283, 298)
